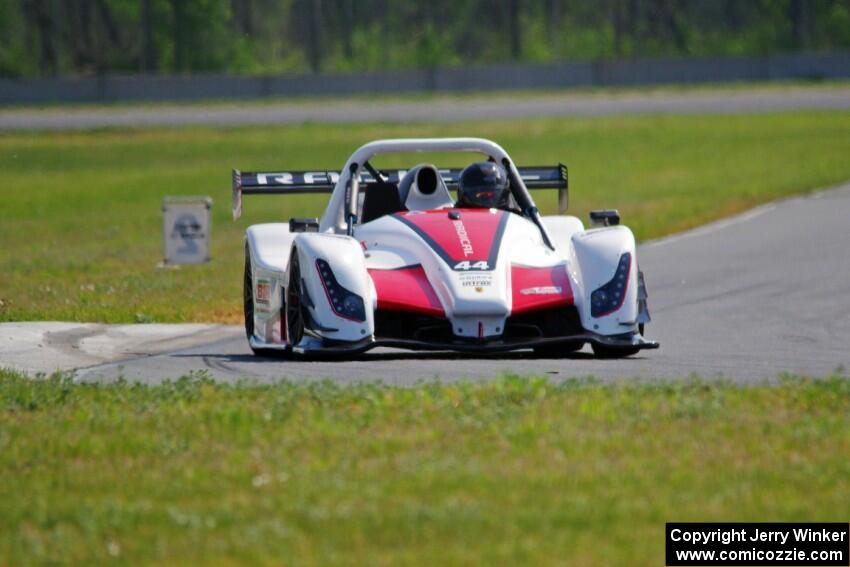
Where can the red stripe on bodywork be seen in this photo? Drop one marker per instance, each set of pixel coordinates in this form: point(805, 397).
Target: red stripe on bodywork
point(477, 228)
point(527, 279)
point(406, 289)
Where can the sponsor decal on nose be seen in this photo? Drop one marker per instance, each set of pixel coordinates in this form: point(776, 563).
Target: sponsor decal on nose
point(544, 290)
point(465, 243)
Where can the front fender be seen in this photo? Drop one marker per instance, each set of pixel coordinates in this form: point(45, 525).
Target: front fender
point(597, 253)
point(345, 257)
point(562, 228)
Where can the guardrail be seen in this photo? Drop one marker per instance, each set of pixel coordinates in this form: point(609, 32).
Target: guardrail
point(110, 88)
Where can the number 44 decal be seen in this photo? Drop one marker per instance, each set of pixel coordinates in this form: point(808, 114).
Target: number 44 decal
point(467, 265)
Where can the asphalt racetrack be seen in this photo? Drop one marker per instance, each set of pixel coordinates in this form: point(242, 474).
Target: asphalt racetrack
point(440, 109)
point(747, 298)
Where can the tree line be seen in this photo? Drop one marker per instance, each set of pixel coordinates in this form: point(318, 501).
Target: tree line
point(88, 37)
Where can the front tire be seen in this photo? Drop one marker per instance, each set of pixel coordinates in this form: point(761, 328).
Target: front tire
point(294, 304)
point(601, 351)
point(604, 351)
point(559, 350)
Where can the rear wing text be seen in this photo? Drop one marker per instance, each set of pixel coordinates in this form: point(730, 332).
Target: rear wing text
point(300, 182)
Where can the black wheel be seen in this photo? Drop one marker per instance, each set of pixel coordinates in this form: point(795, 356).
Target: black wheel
point(294, 304)
point(248, 296)
point(558, 350)
point(602, 351)
point(248, 305)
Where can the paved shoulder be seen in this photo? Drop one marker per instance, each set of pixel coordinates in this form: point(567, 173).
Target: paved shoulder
point(45, 347)
point(436, 110)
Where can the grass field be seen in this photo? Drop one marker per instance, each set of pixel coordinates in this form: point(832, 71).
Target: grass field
point(509, 472)
point(80, 225)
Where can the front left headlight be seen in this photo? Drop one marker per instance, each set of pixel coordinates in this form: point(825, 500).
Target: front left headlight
point(344, 303)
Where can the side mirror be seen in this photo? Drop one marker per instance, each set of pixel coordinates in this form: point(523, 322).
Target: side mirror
point(303, 225)
point(605, 217)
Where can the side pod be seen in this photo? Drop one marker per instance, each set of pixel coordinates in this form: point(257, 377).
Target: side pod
point(267, 247)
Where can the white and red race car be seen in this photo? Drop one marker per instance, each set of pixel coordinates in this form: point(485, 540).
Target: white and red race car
point(393, 262)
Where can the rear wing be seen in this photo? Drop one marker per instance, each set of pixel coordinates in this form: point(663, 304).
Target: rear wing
point(300, 182)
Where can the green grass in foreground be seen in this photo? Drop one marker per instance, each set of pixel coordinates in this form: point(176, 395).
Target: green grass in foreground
point(80, 225)
point(511, 472)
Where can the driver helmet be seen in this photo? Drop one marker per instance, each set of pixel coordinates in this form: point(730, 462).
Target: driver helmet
point(483, 185)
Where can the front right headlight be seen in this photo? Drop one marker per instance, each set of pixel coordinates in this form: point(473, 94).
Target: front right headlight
point(609, 297)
